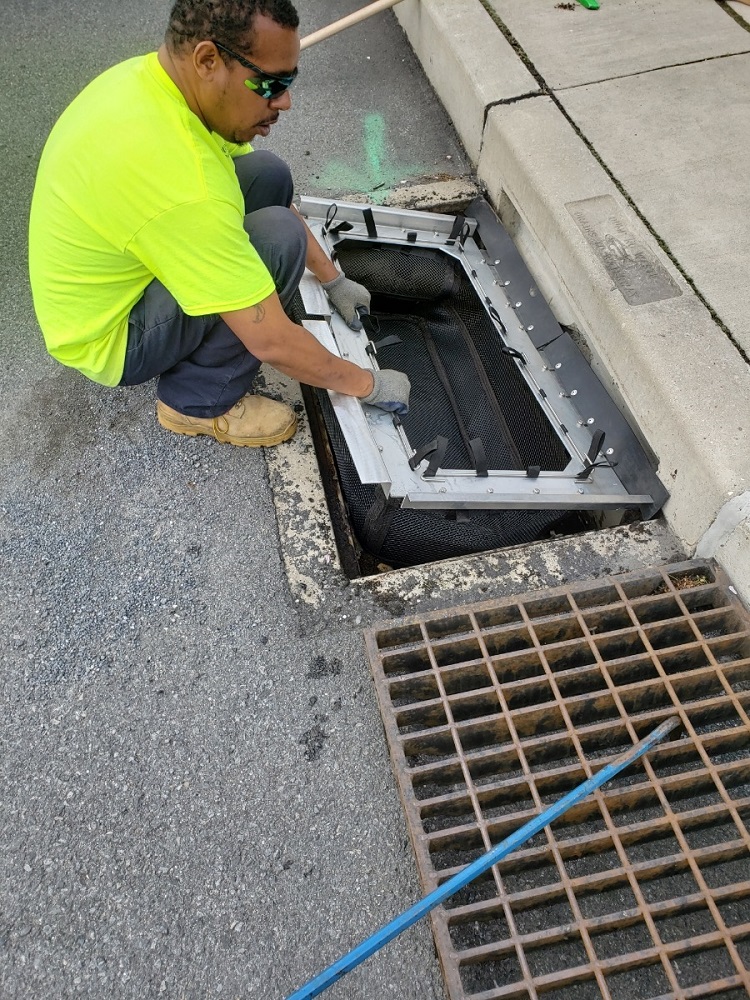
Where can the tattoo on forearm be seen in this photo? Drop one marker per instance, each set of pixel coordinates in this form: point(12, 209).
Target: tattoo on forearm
point(260, 314)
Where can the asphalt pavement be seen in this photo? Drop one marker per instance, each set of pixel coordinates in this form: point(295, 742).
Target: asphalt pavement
point(196, 796)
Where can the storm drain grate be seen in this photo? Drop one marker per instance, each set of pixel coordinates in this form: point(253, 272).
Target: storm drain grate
point(495, 711)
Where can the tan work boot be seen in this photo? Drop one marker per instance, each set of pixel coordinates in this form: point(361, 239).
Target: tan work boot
point(252, 422)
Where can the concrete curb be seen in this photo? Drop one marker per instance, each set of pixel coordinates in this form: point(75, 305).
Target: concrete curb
point(467, 60)
point(685, 386)
point(536, 170)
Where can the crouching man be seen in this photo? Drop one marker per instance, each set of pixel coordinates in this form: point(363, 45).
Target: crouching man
point(162, 246)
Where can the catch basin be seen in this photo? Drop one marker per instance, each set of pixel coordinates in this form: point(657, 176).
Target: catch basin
point(510, 437)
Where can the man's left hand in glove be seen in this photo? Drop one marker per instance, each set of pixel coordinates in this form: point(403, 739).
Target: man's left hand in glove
point(390, 391)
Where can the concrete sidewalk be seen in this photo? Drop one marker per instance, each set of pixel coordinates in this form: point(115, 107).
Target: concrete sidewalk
point(615, 146)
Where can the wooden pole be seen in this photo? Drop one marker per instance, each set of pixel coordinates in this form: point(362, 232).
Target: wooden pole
point(347, 22)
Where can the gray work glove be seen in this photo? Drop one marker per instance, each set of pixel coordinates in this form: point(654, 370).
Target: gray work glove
point(390, 391)
point(347, 298)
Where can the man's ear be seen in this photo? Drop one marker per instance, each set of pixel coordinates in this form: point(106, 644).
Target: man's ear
point(206, 60)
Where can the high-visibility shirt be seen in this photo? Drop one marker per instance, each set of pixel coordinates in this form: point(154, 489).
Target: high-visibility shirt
point(131, 186)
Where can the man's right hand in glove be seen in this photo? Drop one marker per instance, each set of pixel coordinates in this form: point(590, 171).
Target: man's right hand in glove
point(390, 391)
point(269, 334)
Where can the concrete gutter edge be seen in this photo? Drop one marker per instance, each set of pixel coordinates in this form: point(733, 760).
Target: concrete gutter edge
point(534, 167)
point(728, 541)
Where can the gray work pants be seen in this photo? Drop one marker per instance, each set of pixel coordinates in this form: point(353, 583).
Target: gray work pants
point(203, 368)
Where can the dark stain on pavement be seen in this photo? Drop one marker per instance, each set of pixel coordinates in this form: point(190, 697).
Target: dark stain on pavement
point(321, 667)
point(59, 410)
point(313, 740)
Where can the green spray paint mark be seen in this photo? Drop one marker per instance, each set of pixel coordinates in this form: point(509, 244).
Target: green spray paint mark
point(375, 144)
point(375, 175)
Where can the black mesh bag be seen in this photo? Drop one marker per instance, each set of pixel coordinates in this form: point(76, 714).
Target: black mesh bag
point(427, 321)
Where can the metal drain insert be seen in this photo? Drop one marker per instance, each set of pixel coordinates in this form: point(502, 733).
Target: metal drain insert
point(494, 711)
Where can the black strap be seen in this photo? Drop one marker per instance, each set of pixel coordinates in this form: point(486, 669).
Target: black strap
point(480, 457)
point(377, 522)
point(533, 471)
point(514, 354)
point(388, 341)
point(372, 230)
point(494, 314)
point(597, 441)
point(435, 450)
point(450, 282)
point(442, 374)
point(330, 216)
point(458, 225)
point(370, 323)
point(486, 385)
point(588, 469)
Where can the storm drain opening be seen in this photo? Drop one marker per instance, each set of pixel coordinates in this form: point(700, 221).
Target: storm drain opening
point(510, 437)
point(493, 712)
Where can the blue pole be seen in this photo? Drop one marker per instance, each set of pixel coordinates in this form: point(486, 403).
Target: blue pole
point(355, 957)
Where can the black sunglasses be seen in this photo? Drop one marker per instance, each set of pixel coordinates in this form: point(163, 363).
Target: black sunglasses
point(266, 85)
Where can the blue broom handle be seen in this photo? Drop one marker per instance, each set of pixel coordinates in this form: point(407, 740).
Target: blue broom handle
point(374, 943)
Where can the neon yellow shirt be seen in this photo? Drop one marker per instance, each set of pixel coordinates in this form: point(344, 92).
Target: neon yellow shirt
point(132, 186)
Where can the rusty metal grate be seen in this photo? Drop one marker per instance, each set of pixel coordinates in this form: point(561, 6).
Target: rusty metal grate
point(494, 711)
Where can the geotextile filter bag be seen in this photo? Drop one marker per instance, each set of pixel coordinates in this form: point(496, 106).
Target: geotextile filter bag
point(427, 321)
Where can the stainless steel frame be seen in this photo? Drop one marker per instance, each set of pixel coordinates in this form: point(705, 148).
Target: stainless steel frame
point(381, 449)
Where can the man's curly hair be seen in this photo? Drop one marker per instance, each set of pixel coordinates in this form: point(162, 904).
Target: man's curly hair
point(228, 21)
